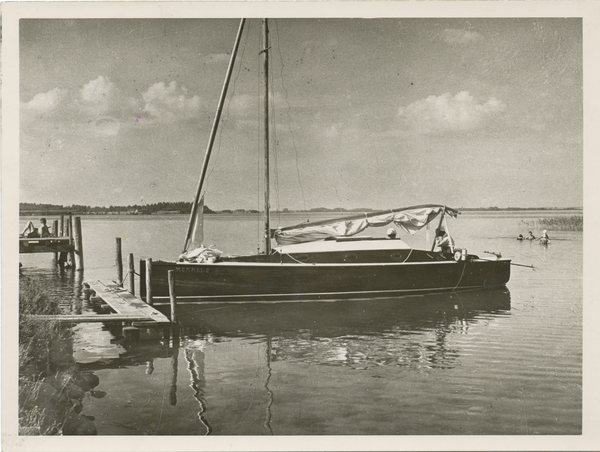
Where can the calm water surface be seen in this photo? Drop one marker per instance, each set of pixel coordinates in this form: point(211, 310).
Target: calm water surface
point(484, 362)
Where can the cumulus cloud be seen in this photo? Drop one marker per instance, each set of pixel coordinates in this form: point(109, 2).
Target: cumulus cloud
point(97, 95)
point(46, 102)
point(459, 37)
point(449, 113)
point(170, 103)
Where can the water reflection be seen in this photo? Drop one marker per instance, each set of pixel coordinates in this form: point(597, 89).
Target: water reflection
point(195, 361)
point(405, 332)
point(392, 338)
point(410, 332)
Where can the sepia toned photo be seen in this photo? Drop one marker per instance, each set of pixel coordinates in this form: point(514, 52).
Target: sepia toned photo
point(231, 224)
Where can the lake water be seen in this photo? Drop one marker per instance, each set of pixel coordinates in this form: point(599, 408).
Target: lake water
point(468, 363)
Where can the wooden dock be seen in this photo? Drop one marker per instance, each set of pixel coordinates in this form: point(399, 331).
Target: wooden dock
point(128, 308)
point(65, 240)
point(46, 245)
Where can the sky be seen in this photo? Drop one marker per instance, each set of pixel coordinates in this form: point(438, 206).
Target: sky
point(367, 113)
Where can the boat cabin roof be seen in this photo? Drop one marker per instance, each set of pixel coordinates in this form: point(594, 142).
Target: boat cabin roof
point(356, 243)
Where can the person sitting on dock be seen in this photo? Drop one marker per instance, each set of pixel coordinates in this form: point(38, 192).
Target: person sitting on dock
point(31, 231)
point(391, 233)
point(530, 236)
point(444, 241)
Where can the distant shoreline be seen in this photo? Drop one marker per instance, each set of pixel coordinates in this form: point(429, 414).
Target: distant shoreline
point(28, 209)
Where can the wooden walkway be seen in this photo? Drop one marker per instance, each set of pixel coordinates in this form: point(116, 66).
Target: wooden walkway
point(128, 308)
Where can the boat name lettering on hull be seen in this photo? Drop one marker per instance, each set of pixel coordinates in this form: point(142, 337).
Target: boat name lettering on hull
point(192, 270)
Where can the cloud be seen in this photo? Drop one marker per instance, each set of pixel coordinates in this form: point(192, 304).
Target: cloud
point(107, 126)
point(242, 104)
point(97, 95)
point(217, 58)
point(44, 103)
point(459, 37)
point(447, 113)
point(168, 103)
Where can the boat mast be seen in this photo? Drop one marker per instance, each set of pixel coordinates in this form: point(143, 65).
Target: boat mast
point(267, 207)
point(213, 133)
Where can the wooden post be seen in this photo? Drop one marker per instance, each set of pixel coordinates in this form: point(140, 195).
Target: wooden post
point(131, 274)
point(55, 234)
point(87, 292)
point(78, 239)
point(149, 281)
point(119, 261)
point(131, 333)
point(173, 296)
point(62, 225)
point(69, 228)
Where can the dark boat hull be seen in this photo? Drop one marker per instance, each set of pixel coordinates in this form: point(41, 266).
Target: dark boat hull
point(264, 282)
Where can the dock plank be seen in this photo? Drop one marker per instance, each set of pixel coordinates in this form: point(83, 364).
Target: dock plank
point(125, 303)
point(83, 318)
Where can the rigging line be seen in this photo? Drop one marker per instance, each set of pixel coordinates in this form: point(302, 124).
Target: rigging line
point(226, 118)
point(259, 159)
point(275, 142)
point(461, 276)
point(411, 250)
point(296, 260)
point(290, 119)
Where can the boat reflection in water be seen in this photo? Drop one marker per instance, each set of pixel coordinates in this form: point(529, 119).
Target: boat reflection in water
point(217, 348)
point(363, 333)
point(400, 330)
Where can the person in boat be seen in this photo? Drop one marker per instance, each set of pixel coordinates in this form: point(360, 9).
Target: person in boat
point(520, 237)
point(530, 236)
point(444, 241)
point(544, 238)
point(391, 233)
point(31, 231)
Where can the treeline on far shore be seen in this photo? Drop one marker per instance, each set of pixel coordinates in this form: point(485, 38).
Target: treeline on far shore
point(173, 208)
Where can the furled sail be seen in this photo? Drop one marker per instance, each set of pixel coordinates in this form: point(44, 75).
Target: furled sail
point(411, 219)
point(195, 251)
point(196, 234)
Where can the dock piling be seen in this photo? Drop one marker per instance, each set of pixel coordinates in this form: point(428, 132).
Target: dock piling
point(173, 296)
point(131, 274)
point(119, 261)
point(71, 260)
point(148, 281)
point(78, 242)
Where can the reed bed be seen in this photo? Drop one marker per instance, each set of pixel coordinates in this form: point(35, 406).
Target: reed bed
point(46, 364)
point(558, 223)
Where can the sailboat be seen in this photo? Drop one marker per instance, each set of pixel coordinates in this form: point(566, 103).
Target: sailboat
point(321, 260)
